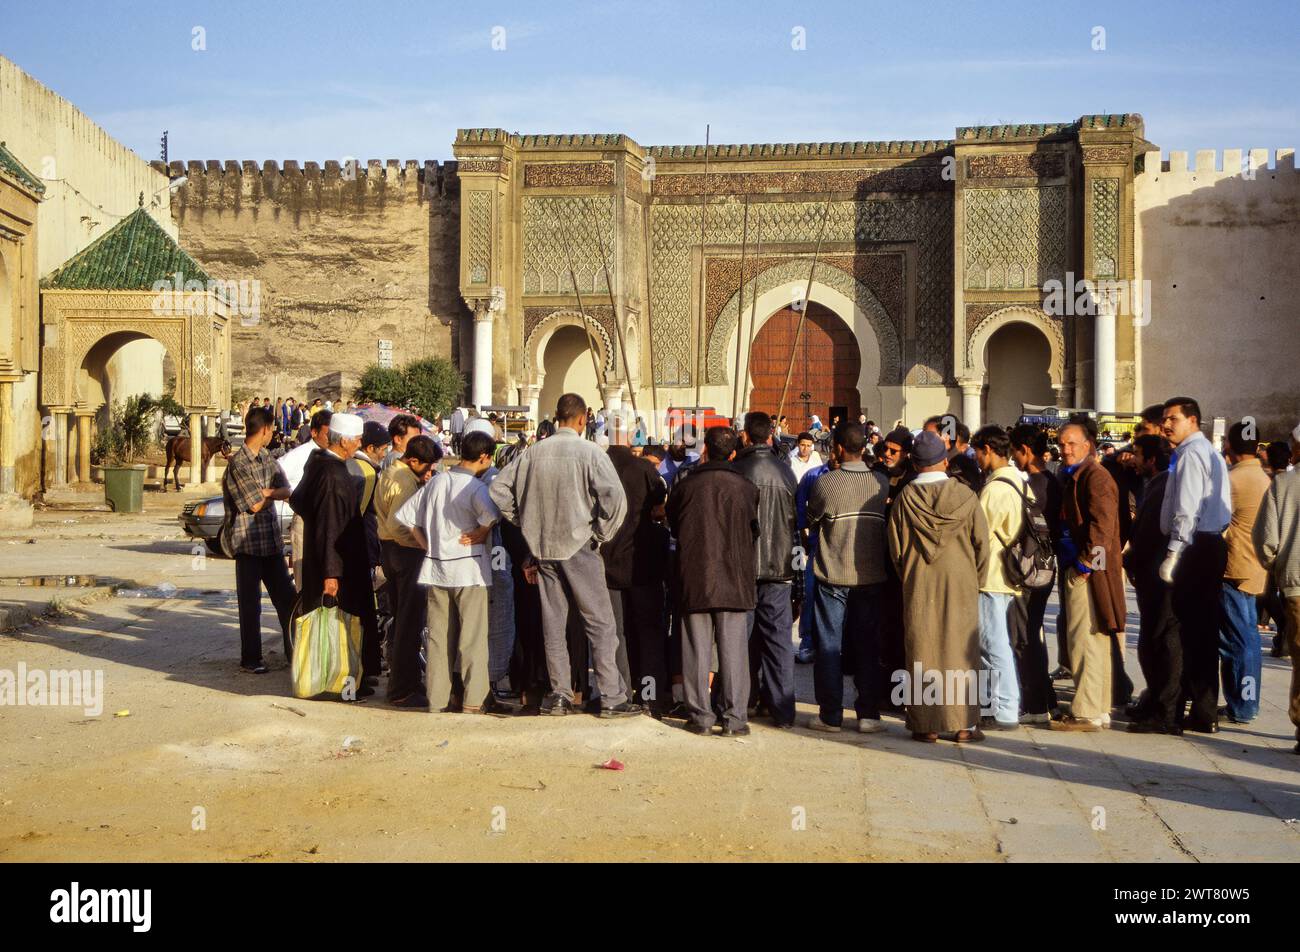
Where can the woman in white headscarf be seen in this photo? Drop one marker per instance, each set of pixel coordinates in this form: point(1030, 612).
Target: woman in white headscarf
point(816, 424)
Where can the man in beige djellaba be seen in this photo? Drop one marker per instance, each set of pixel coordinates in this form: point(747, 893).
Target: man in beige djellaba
point(938, 540)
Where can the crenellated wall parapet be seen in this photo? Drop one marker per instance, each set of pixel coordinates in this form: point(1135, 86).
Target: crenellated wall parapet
point(347, 184)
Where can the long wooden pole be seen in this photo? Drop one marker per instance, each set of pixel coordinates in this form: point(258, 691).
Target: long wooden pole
point(699, 330)
point(618, 316)
point(803, 314)
point(753, 307)
point(591, 339)
point(740, 313)
point(648, 339)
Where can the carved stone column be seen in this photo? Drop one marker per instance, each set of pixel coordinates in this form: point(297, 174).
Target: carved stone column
point(195, 477)
point(83, 445)
point(60, 423)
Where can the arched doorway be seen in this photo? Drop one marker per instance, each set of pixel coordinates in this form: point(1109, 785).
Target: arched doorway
point(826, 365)
point(122, 365)
point(1019, 360)
point(565, 362)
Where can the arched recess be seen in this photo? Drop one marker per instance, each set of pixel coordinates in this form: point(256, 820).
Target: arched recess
point(1052, 329)
point(121, 364)
point(848, 297)
point(535, 345)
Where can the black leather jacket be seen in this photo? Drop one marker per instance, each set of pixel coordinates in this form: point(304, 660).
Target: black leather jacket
point(776, 511)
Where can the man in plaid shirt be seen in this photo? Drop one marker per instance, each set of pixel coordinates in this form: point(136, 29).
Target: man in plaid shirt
point(251, 488)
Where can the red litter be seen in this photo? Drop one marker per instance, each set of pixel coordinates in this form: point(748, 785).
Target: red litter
point(611, 764)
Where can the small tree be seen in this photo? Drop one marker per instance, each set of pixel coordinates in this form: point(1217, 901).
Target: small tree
point(432, 386)
point(381, 385)
point(130, 432)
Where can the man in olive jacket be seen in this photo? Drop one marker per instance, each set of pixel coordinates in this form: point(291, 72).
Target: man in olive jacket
point(771, 647)
point(714, 516)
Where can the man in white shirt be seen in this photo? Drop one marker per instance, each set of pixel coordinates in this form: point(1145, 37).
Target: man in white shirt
point(804, 458)
point(1197, 508)
point(452, 517)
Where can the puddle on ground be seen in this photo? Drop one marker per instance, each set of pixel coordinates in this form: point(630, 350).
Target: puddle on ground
point(52, 581)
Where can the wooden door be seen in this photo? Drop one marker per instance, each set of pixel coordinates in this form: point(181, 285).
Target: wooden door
point(826, 366)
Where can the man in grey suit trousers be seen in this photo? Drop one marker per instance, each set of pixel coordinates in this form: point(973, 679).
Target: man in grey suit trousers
point(566, 498)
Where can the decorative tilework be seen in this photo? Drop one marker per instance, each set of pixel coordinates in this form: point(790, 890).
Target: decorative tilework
point(1015, 237)
point(564, 174)
point(548, 222)
point(479, 205)
point(1105, 227)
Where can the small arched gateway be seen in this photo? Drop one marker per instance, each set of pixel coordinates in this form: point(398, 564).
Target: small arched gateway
point(112, 304)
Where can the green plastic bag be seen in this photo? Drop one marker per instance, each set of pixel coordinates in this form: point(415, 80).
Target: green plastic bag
point(327, 654)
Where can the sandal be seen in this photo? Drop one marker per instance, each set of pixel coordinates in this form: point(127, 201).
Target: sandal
point(968, 737)
point(924, 738)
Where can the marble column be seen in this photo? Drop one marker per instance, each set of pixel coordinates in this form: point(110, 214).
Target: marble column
point(971, 393)
point(196, 450)
point(531, 395)
point(481, 387)
point(1104, 357)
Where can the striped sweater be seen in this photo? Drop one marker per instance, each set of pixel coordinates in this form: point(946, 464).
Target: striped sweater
point(846, 509)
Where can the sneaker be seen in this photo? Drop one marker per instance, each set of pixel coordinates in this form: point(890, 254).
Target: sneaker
point(1062, 673)
point(1035, 718)
point(993, 724)
point(626, 709)
point(258, 668)
point(1105, 721)
point(815, 723)
point(870, 725)
point(556, 705)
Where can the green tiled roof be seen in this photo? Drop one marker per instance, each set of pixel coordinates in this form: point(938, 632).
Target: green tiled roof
point(9, 162)
point(131, 256)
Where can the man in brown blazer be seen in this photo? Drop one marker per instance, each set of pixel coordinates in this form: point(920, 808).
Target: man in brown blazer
point(1093, 574)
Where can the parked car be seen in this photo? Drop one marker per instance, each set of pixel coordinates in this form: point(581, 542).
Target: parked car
point(202, 519)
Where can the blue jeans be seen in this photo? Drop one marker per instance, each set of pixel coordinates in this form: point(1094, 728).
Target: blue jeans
point(997, 657)
point(1240, 659)
point(847, 612)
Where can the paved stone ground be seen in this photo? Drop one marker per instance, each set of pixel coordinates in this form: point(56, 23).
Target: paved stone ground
point(280, 779)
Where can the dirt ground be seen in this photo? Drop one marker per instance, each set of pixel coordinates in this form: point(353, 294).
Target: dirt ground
point(213, 764)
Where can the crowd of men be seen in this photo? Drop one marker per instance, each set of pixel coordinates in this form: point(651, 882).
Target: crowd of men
point(565, 573)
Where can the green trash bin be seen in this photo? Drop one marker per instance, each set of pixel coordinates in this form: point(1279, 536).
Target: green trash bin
point(124, 488)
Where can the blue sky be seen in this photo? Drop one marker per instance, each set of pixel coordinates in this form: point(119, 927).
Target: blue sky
point(372, 80)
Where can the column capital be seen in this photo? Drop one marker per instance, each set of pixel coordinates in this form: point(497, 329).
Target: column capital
point(971, 386)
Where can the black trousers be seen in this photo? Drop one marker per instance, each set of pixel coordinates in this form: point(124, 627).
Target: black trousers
point(251, 573)
point(408, 604)
point(1160, 651)
point(1198, 583)
point(893, 653)
point(1028, 645)
point(642, 644)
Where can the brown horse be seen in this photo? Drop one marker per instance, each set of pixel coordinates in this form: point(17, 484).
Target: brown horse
point(178, 451)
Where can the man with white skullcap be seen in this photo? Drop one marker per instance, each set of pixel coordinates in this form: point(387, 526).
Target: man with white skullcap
point(336, 563)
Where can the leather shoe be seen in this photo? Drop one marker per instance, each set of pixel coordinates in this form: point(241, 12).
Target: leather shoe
point(741, 731)
point(1154, 727)
point(626, 709)
point(692, 728)
point(1201, 728)
point(556, 705)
